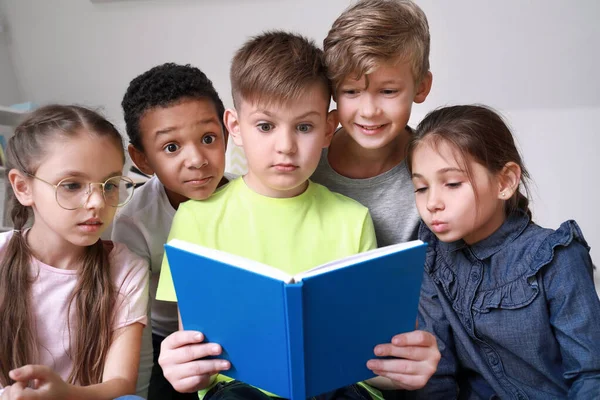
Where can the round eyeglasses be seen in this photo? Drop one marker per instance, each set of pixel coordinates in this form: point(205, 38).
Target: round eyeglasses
point(73, 193)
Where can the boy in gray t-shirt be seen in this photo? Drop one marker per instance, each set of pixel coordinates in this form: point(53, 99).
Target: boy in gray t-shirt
point(377, 54)
point(377, 74)
point(389, 197)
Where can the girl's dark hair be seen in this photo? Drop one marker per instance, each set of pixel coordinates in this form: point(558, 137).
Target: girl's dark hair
point(479, 133)
point(94, 297)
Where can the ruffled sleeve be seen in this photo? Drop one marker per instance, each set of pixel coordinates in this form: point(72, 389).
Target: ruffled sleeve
point(566, 269)
point(521, 291)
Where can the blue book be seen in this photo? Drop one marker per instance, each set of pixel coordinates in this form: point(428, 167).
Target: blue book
point(304, 335)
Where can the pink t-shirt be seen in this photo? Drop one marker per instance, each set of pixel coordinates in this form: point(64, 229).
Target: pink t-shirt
point(53, 287)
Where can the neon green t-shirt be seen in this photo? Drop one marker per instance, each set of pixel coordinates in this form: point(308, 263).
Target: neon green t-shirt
point(292, 234)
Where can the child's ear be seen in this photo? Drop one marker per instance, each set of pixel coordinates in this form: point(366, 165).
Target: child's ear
point(21, 186)
point(225, 136)
point(225, 131)
point(139, 159)
point(332, 124)
point(233, 126)
point(508, 180)
point(423, 88)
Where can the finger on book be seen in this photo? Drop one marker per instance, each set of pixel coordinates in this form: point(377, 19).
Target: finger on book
point(208, 367)
point(181, 338)
point(399, 366)
point(414, 338)
point(192, 376)
point(188, 353)
point(411, 353)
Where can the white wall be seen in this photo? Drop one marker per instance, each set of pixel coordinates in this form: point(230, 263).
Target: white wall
point(534, 60)
point(9, 90)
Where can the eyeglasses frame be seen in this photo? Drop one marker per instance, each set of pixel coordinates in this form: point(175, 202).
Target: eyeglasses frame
point(89, 191)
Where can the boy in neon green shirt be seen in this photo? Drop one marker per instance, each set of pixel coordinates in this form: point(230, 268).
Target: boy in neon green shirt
point(274, 214)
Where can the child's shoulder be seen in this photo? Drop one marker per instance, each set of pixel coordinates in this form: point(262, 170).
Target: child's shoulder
point(540, 245)
point(336, 201)
point(125, 264)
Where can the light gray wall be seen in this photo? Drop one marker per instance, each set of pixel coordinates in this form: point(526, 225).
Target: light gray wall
point(536, 61)
point(9, 89)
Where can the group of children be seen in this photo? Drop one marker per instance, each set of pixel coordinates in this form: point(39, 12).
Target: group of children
point(507, 310)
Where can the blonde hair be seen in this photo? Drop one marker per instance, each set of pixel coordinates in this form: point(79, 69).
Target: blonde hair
point(277, 66)
point(373, 32)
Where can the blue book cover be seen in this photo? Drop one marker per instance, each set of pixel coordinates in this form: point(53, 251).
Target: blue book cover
point(298, 336)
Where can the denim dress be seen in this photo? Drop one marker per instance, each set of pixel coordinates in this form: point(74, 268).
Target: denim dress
point(516, 315)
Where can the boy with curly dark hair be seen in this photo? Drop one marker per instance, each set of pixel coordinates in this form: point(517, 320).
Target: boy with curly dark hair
point(174, 120)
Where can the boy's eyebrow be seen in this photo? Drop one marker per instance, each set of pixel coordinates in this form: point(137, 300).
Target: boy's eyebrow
point(309, 113)
point(265, 112)
point(269, 114)
point(391, 82)
point(165, 130)
point(206, 121)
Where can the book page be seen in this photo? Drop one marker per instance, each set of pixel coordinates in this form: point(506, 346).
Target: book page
point(232, 259)
point(356, 258)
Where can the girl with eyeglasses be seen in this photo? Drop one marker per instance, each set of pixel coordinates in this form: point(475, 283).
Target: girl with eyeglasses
point(72, 307)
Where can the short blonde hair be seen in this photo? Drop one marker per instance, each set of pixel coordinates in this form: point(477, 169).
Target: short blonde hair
point(373, 32)
point(277, 66)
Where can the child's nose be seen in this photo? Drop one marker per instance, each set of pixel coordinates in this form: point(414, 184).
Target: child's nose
point(285, 142)
point(95, 197)
point(195, 158)
point(434, 201)
point(368, 106)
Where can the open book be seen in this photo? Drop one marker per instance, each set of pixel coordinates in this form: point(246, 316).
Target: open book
point(298, 336)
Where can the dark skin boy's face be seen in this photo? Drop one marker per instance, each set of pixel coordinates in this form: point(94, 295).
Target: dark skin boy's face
point(184, 145)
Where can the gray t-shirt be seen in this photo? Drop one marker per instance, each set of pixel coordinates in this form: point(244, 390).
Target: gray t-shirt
point(389, 197)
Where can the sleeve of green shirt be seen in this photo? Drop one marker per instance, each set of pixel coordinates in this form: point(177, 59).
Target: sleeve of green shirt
point(184, 228)
point(368, 240)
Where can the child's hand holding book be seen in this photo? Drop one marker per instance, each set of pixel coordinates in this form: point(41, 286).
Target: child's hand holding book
point(413, 359)
point(184, 363)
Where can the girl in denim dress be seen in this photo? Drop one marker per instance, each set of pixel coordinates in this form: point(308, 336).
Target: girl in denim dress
point(512, 304)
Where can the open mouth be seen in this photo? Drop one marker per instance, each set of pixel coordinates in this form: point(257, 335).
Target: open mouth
point(371, 129)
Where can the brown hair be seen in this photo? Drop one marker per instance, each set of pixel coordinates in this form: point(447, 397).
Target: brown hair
point(94, 297)
point(372, 32)
point(479, 133)
point(277, 66)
